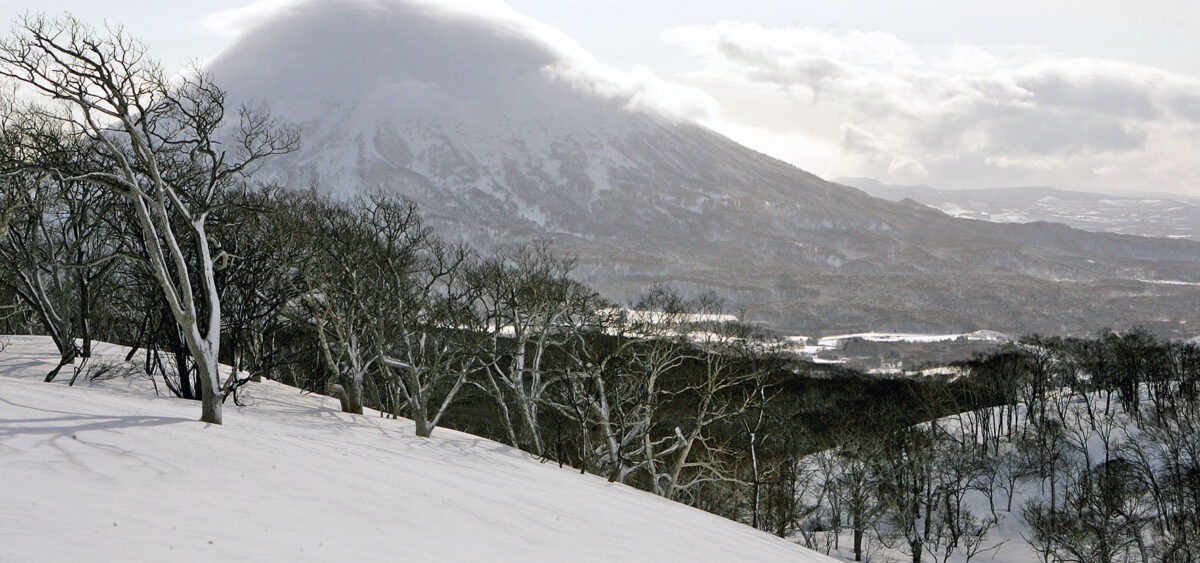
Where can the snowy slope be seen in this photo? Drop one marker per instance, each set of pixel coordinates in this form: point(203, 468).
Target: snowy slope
point(109, 472)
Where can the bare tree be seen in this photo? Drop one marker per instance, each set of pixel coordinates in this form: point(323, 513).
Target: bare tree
point(656, 391)
point(854, 487)
point(733, 365)
point(611, 386)
point(1100, 518)
point(529, 305)
point(158, 144)
point(260, 287)
point(791, 496)
point(56, 252)
point(58, 241)
point(906, 489)
point(427, 333)
point(339, 292)
point(1166, 456)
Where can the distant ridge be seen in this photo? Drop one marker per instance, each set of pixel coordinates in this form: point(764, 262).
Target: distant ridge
point(1147, 214)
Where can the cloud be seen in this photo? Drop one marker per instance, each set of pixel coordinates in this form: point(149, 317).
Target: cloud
point(961, 116)
point(903, 169)
point(233, 21)
point(460, 48)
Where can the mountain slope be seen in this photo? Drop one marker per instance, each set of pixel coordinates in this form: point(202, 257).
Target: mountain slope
point(502, 133)
point(110, 472)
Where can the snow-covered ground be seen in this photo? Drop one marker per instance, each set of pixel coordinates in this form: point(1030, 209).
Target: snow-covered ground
point(1169, 282)
point(810, 348)
point(977, 336)
point(107, 471)
point(661, 318)
point(1006, 542)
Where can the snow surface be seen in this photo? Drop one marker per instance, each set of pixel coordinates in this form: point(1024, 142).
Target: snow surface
point(1169, 282)
point(109, 472)
point(979, 335)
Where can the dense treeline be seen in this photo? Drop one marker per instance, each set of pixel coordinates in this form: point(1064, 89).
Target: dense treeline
point(130, 215)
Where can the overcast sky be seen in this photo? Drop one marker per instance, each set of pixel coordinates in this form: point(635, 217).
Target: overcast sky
point(1100, 95)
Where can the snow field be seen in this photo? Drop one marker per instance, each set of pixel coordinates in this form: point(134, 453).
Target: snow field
point(109, 472)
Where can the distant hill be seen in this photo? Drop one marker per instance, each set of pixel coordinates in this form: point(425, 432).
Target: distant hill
point(1155, 215)
point(502, 134)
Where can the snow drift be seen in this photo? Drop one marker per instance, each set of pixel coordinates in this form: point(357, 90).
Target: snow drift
point(107, 471)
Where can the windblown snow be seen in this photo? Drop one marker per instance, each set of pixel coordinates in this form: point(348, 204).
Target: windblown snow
point(108, 471)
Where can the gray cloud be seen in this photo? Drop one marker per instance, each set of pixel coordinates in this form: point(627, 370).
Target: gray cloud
point(431, 53)
point(1186, 105)
point(1102, 94)
point(764, 66)
point(967, 116)
point(856, 140)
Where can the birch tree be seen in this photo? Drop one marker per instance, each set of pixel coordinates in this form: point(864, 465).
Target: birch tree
point(427, 333)
point(675, 371)
point(159, 144)
point(339, 294)
point(58, 239)
point(734, 360)
point(530, 305)
point(56, 253)
point(611, 372)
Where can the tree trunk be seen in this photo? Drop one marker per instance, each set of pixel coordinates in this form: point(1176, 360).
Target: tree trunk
point(858, 537)
point(210, 397)
point(85, 313)
point(678, 462)
point(64, 360)
point(531, 426)
point(188, 389)
point(754, 465)
point(211, 406)
point(354, 396)
point(64, 341)
point(420, 416)
point(424, 429)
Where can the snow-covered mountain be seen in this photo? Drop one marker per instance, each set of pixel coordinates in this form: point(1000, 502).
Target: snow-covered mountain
point(1156, 215)
point(108, 471)
point(504, 130)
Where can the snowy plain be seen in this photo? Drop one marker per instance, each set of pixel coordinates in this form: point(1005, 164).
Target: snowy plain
point(108, 471)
